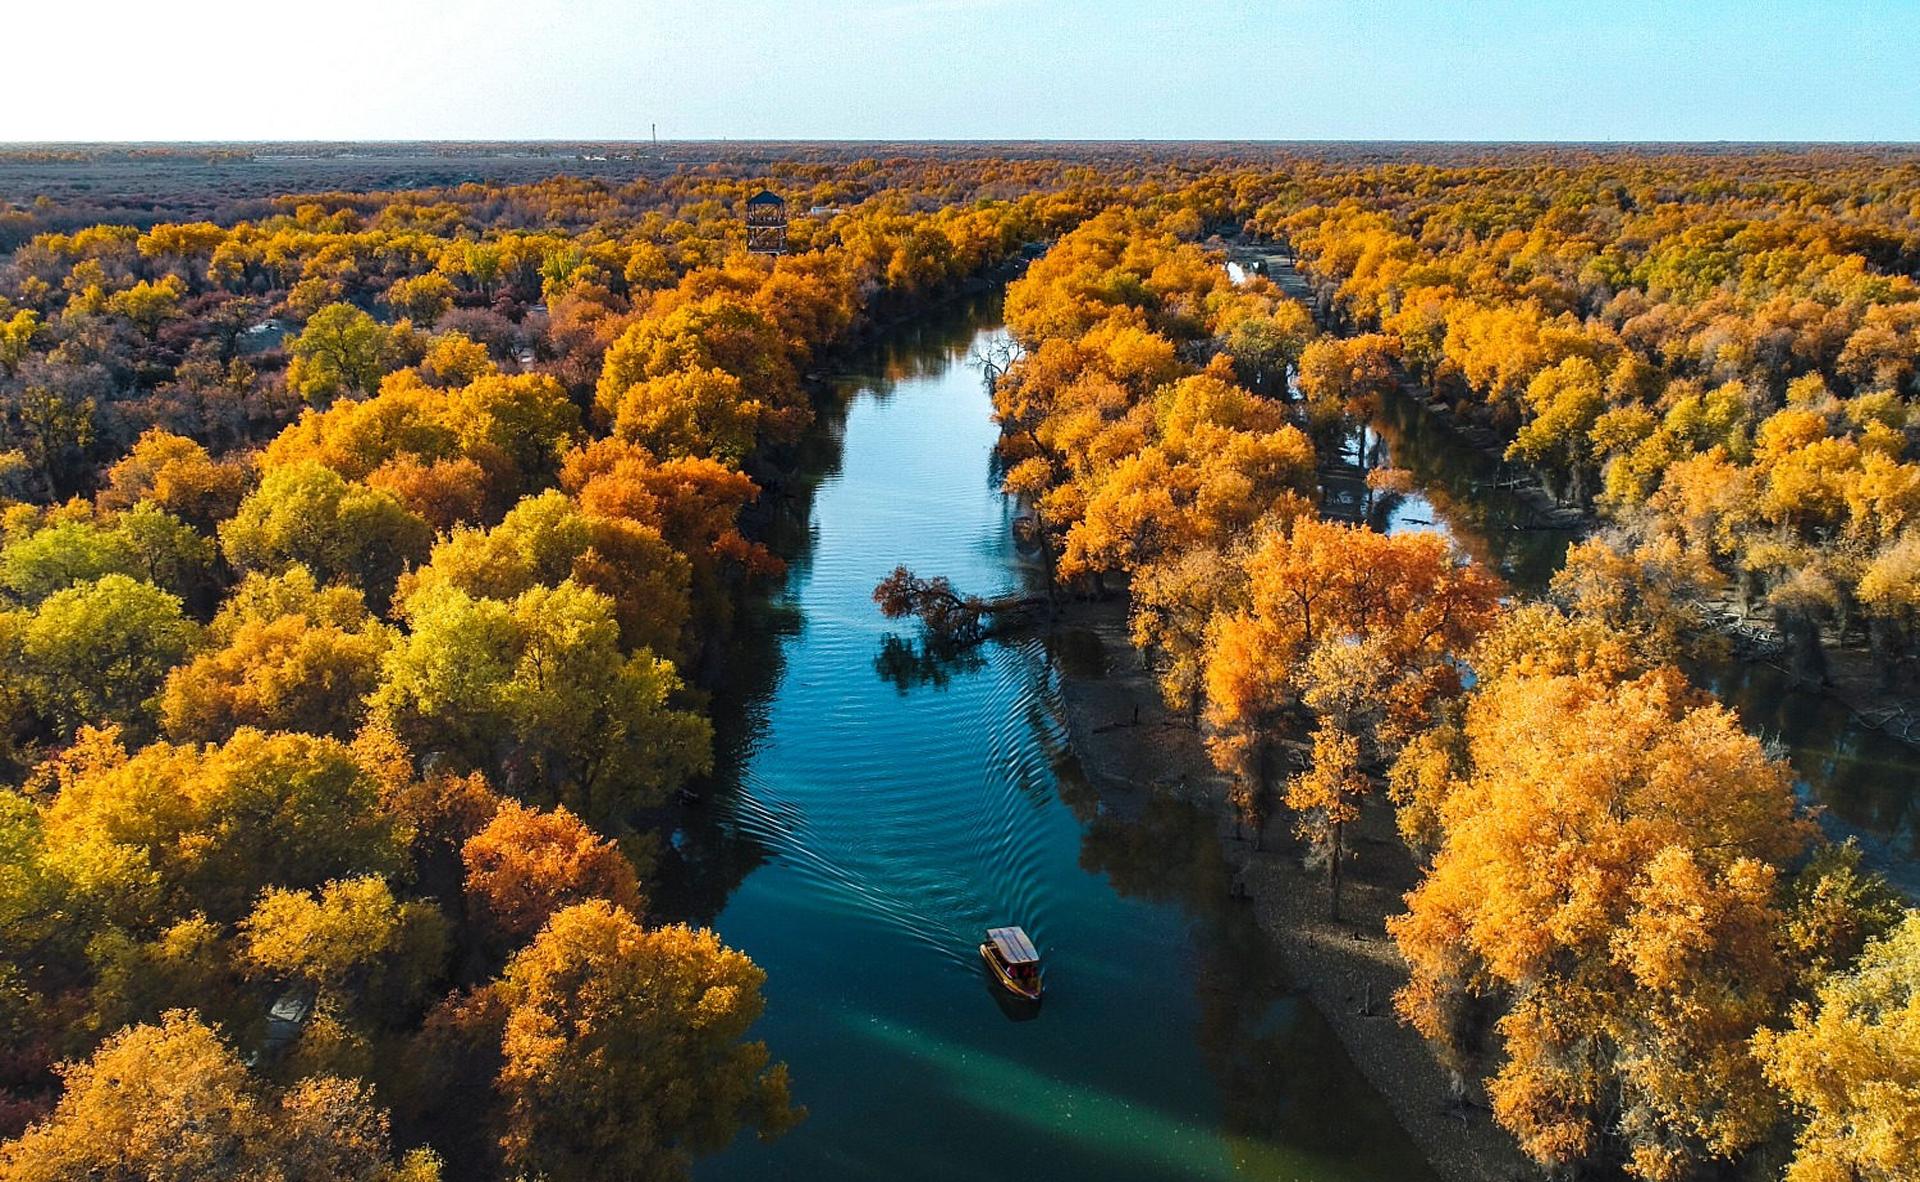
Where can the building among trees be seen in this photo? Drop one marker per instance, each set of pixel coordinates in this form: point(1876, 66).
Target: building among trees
point(767, 223)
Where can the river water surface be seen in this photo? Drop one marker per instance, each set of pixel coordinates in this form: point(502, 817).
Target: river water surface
point(880, 806)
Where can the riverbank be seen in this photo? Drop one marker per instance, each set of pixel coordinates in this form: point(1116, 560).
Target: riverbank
point(1126, 740)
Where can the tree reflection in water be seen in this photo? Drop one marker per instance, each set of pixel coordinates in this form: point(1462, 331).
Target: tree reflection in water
point(909, 663)
point(1282, 1076)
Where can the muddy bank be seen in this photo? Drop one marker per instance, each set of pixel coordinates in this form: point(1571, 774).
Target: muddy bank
point(1125, 738)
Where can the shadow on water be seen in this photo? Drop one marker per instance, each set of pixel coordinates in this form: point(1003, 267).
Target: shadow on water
point(1862, 779)
point(880, 802)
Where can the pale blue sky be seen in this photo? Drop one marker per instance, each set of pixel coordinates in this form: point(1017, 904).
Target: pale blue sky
point(940, 69)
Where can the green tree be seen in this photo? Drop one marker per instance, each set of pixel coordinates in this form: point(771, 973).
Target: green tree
point(97, 651)
point(37, 564)
point(1265, 346)
point(307, 514)
point(146, 543)
point(342, 352)
point(1565, 402)
point(537, 690)
point(547, 539)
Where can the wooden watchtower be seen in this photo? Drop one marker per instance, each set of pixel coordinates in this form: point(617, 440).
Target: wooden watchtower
point(767, 223)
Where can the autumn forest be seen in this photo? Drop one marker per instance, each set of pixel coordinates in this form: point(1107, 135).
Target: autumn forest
point(381, 567)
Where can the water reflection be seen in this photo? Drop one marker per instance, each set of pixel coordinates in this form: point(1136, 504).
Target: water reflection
point(911, 662)
point(1461, 491)
point(1862, 779)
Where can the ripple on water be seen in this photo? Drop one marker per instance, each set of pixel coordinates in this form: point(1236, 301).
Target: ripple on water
point(855, 824)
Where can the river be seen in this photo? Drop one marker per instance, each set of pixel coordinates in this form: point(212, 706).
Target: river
point(879, 806)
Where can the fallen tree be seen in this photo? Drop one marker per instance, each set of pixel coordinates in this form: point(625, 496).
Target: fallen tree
point(945, 613)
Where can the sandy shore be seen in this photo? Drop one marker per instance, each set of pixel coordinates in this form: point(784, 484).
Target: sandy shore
point(1125, 737)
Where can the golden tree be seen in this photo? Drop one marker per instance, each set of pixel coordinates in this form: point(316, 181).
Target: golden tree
point(1608, 872)
point(526, 865)
point(173, 1103)
point(1406, 600)
point(622, 1049)
point(1850, 1066)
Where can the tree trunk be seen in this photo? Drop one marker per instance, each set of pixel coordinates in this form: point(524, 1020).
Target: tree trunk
point(1807, 659)
point(1333, 872)
point(1261, 758)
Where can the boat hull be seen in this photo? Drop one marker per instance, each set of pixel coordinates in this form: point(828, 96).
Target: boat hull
point(1006, 980)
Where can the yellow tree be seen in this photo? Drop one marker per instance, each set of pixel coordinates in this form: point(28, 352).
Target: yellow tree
point(1608, 870)
point(1346, 376)
point(1172, 601)
point(170, 830)
point(717, 333)
point(361, 950)
point(1326, 799)
point(179, 476)
point(1850, 1066)
point(173, 1103)
point(691, 412)
point(1351, 685)
point(622, 1049)
point(1407, 596)
point(289, 673)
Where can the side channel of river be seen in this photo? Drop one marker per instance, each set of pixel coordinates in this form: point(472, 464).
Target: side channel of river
point(1863, 780)
point(878, 806)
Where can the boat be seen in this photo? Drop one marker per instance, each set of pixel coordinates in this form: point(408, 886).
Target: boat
point(1014, 962)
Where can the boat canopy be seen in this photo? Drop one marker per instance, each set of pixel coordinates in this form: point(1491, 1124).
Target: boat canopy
point(1013, 945)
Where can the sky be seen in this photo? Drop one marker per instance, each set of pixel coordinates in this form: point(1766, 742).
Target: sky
point(962, 69)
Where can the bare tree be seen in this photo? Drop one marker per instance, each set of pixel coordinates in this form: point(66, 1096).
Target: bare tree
point(996, 356)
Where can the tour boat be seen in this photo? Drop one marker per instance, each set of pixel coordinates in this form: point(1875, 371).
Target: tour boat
point(1014, 961)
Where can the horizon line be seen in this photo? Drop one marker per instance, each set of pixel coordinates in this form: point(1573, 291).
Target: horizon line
point(649, 142)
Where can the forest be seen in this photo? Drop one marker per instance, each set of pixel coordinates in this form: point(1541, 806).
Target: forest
point(370, 561)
